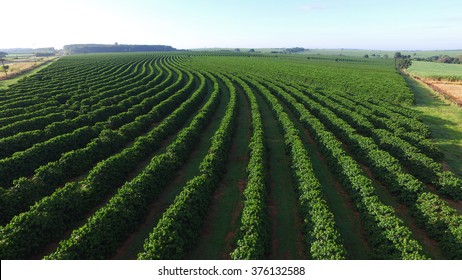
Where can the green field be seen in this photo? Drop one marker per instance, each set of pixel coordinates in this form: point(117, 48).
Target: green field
point(217, 155)
point(349, 52)
point(4, 84)
point(437, 71)
point(381, 53)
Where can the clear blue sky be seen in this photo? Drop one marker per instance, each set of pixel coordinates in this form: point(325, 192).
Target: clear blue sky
point(395, 24)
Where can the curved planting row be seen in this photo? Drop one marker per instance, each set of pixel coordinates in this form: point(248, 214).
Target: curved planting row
point(8, 113)
point(389, 237)
point(323, 238)
point(423, 144)
point(25, 162)
point(94, 118)
point(75, 71)
point(133, 76)
point(410, 190)
point(68, 88)
point(72, 164)
point(417, 163)
point(125, 90)
point(24, 140)
point(108, 227)
point(397, 109)
point(9, 168)
point(56, 213)
point(69, 68)
point(179, 227)
point(35, 123)
point(36, 113)
point(110, 93)
point(441, 221)
point(41, 90)
point(101, 136)
point(253, 231)
point(409, 123)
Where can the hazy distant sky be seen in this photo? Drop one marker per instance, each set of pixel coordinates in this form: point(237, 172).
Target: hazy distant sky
point(395, 24)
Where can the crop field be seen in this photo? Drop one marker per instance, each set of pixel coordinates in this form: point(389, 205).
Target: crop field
point(443, 78)
point(20, 66)
point(203, 155)
point(436, 71)
point(382, 53)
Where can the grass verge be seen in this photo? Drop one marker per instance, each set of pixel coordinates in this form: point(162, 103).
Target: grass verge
point(445, 121)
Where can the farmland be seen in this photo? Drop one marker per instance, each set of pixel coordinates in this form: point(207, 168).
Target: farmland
point(436, 71)
point(203, 155)
point(21, 65)
point(443, 78)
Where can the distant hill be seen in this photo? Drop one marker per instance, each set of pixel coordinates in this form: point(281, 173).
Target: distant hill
point(99, 48)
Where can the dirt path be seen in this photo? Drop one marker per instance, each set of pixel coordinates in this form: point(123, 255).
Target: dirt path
point(451, 90)
point(21, 68)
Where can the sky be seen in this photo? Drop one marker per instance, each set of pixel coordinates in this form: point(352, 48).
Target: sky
point(378, 25)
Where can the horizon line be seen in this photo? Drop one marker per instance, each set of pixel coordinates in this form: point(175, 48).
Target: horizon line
point(265, 48)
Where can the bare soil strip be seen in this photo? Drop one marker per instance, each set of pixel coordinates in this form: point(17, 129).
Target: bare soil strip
point(451, 90)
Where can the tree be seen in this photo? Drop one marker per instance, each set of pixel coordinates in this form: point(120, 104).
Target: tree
point(4, 67)
point(237, 50)
point(402, 61)
point(366, 56)
point(251, 50)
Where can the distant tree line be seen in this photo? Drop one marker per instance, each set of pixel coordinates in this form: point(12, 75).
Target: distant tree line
point(44, 54)
point(294, 50)
point(100, 48)
point(291, 50)
point(4, 67)
point(377, 56)
point(442, 59)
